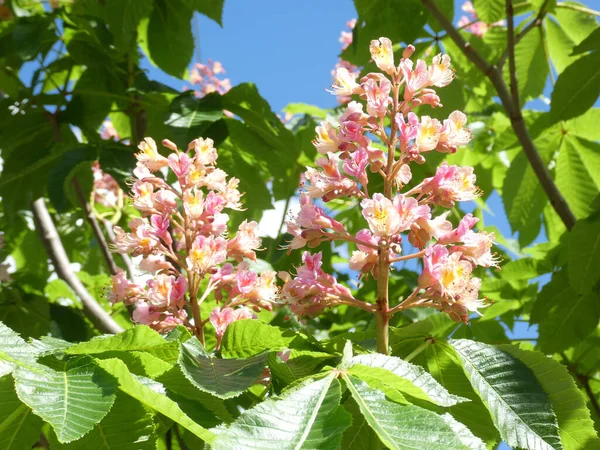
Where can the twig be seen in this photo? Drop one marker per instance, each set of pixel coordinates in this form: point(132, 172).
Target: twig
point(406, 257)
point(510, 47)
point(47, 230)
point(557, 201)
point(533, 24)
point(91, 219)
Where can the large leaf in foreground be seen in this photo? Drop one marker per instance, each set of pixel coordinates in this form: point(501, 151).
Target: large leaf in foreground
point(389, 372)
point(443, 363)
point(72, 400)
point(308, 416)
point(407, 426)
point(19, 427)
point(157, 401)
point(250, 337)
point(224, 378)
point(128, 426)
point(575, 425)
point(140, 338)
point(14, 351)
point(520, 408)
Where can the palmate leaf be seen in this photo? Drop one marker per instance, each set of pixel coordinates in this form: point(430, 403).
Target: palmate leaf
point(14, 351)
point(520, 408)
point(19, 427)
point(359, 436)
point(308, 416)
point(154, 400)
point(575, 425)
point(443, 363)
point(128, 426)
point(408, 426)
point(72, 400)
point(391, 373)
point(584, 254)
point(139, 338)
point(224, 378)
point(246, 338)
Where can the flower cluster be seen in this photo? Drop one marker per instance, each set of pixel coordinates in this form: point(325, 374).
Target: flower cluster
point(349, 153)
point(346, 40)
point(472, 23)
point(182, 239)
point(206, 78)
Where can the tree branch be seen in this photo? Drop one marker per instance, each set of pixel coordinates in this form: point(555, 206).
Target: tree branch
point(45, 226)
point(533, 24)
point(510, 48)
point(91, 219)
point(557, 201)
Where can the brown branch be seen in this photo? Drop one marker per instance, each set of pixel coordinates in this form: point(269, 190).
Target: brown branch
point(510, 47)
point(56, 251)
point(557, 201)
point(533, 24)
point(91, 219)
point(585, 382)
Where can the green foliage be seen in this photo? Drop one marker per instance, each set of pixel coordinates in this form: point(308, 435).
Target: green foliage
point(223, 378)
point(308, 416)
point(519, 406)
point(399, 426)
point(64, 71)
point(73, 399)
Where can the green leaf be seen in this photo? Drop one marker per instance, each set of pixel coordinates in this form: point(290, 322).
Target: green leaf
point(524, 269)
point(577, 174)
point(520, 408)
point(154, 400)
point(14, 351)
point(584, 254)
point(72, 400)
point(189, 117)
point(245, 338)
point(19, 427)
point(590, 43)
point(490, 11)
point(573, 318)
point(399, 21)
point(303, 108)
point(404, 426)
point(531, 65)
point(308, 416)
point(140, 337)
point(577, 88)
point(213, 9)
point(359, 436)
point(245, 101)
point(175, 382)
point(575, 425)
point(443, 363)
point(522, 194)
point(169, 36)
point(128, 426)
point(560, 46)
point(224, 378)
point(123, 17)
point(394, 373)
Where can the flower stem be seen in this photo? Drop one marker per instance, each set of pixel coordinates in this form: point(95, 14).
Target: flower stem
point(198, 325)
